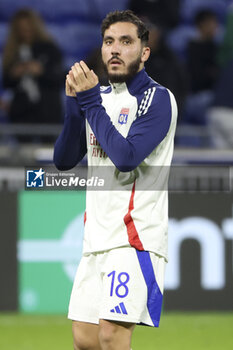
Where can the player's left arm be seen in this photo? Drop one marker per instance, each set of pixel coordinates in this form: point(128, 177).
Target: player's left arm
point(145, 134)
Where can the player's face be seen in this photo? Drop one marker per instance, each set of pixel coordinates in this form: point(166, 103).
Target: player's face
point(123, 54)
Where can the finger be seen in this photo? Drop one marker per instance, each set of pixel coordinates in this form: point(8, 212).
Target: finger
point(89, 73)
point(77, 74)
point(84, 67)
point(94, 77)
point(93, 74)
point(71, 83)
point(68, 87)
point(67, 83)
point(80, 73)
point(73, 72)
point(71, 75)
point(69, 90)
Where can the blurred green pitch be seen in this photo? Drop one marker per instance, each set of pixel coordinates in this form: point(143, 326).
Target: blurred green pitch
point(178, 331)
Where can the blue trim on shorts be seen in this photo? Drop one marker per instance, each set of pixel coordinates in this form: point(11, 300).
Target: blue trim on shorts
point(154, 295)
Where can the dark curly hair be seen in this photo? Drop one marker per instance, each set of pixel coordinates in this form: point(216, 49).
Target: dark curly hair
point(126, 16)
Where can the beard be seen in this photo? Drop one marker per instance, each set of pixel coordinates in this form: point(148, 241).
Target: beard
point(133, 68)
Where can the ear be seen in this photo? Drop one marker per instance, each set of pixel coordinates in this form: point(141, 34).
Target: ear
point(145, 54)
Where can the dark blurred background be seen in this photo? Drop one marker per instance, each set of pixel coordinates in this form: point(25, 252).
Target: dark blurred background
point(191, 53)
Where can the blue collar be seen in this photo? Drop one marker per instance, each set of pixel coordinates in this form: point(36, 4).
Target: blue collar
point(138, 82)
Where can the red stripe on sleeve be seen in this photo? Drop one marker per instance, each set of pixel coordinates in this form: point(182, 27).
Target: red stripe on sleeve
point(133, 237)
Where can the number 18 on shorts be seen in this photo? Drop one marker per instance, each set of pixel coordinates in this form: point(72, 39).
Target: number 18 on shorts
point(122, 284)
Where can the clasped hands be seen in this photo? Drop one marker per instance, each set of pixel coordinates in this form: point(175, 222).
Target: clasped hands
point(80, 78)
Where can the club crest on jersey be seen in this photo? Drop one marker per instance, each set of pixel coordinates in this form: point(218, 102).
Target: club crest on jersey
point(123, 117)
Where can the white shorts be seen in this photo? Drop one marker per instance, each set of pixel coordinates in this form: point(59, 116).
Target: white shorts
point(121, 284)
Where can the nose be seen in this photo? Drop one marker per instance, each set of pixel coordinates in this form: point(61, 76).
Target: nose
point(115, 49)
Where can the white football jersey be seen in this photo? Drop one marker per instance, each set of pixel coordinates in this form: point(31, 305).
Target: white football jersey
point(131, 133)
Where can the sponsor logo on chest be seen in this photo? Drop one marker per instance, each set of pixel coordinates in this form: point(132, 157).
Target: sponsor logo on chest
point(96, 151)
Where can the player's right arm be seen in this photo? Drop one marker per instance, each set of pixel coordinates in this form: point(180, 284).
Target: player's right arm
point(70, 146)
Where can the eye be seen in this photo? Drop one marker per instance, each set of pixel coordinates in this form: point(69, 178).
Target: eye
point(126, 42)
point(108, 42)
